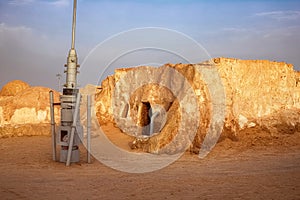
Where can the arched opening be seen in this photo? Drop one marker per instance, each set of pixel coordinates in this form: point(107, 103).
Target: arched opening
point(144, 117)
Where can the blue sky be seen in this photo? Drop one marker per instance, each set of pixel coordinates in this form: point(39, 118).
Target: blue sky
point(35, 35)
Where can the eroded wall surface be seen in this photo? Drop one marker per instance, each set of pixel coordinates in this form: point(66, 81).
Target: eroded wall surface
point(257, 94)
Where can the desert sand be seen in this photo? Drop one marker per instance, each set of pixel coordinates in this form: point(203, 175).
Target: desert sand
point(256, 166)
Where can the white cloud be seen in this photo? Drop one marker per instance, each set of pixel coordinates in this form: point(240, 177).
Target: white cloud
point(20, 2)
point(56, 3)
point(60, 3)
point(280, 15)
point(4, 27)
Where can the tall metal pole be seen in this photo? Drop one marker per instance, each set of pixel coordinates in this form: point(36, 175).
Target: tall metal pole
point(74, 24)
point(72, 57)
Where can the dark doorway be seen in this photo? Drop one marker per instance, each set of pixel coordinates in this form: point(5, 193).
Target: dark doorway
point(145, 117)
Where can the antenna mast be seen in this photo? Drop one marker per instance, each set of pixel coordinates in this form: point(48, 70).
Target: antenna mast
point(70, 130)
point(74, 24)
point(71, 80)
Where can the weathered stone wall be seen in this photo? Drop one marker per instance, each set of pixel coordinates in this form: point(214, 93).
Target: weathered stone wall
point(258, 93)
point(256, 90)
point(24, 110)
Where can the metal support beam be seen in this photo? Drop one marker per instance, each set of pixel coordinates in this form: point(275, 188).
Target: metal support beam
point(88, 127)
point(71, 139)
point(52, 125)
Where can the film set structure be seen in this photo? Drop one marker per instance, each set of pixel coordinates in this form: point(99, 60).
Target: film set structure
point(69, 133)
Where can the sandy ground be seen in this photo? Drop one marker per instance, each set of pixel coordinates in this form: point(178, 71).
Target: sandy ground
point(260, 168)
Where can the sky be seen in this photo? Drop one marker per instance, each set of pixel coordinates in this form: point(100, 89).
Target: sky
point(35, 35)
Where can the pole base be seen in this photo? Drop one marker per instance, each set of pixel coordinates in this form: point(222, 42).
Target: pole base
point(75, 156)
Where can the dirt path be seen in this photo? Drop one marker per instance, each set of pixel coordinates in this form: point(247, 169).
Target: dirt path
point(230, 171)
